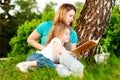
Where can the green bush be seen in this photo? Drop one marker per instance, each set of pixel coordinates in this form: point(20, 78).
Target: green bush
point(19, 43)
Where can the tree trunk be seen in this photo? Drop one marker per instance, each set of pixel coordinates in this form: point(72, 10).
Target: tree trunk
point(93, 21)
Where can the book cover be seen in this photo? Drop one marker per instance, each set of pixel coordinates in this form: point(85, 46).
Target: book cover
point(84, 47)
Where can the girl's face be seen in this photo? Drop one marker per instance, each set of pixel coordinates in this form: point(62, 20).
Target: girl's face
point(70, 16)
point(65, 36)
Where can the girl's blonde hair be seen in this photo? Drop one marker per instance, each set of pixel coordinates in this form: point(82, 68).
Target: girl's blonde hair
point(62, 12)
point(56, 30)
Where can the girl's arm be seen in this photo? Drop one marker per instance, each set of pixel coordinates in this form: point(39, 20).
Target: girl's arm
point(59, 48)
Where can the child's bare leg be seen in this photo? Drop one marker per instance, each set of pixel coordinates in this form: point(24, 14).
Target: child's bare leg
point(81, 75)
point(33, 63)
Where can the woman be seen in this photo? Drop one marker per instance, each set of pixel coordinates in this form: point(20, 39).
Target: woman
point(65, 14)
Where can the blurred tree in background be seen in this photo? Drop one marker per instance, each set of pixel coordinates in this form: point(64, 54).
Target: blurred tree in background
point(49, 7)
point(7, 26)
point(79, 6)
point(111, 37)
point(9, 22)
point(28, 10)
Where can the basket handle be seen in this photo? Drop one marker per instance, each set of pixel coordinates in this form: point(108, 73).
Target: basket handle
point(101, 49)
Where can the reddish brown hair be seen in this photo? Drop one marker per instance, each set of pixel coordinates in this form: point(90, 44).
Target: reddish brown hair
point(57, 30)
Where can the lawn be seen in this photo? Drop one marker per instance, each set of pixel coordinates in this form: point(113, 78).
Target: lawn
point(92, 71)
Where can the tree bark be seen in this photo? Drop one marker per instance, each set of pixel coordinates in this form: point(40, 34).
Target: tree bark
point(92, 22)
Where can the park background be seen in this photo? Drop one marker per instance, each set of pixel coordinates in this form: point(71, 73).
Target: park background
point(16, 27)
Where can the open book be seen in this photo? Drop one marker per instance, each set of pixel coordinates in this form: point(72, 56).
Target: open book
point(84, 47)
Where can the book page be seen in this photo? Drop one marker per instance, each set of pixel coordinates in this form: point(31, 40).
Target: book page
point(86, 46)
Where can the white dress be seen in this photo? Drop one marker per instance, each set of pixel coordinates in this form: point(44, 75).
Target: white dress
point(50, 52)
point(68, 64)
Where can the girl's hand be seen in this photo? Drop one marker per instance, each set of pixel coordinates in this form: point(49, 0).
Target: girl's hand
point(43, 47)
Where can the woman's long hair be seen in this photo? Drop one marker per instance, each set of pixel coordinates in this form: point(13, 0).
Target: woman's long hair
point(62, 12)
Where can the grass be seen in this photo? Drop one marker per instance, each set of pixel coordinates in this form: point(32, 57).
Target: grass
point(92, 71)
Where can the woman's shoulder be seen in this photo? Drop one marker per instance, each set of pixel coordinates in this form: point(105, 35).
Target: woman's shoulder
point(46, 23)
point(73, 36)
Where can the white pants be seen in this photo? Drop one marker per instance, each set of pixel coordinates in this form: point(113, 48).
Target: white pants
point(69, 66)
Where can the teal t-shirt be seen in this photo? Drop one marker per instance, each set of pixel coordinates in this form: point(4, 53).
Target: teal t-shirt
point(44, 28)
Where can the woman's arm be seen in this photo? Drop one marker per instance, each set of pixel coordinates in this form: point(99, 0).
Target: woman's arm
point(73, 39)
point(70, 46)
point(32, 40)
point(73, 46)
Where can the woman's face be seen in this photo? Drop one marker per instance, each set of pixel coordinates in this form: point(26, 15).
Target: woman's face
point(70, 16)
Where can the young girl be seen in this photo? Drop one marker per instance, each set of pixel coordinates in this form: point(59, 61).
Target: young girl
point(54, 52)
point(58, 36)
